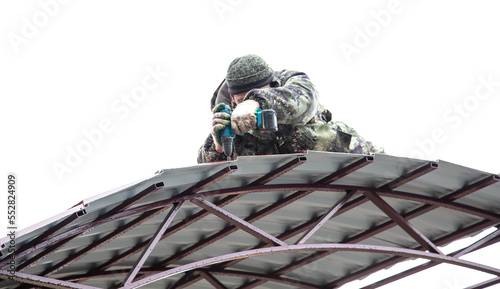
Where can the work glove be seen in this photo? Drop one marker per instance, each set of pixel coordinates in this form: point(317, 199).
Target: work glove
point(243, 118)
point(220, 120)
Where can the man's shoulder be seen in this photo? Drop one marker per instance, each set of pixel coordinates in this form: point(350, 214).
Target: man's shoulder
point(284, 75)
point(288, 73)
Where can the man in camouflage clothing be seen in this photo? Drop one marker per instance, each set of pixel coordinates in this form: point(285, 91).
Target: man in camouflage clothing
point(303, 123)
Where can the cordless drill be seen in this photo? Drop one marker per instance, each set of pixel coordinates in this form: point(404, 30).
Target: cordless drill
point(266, 122)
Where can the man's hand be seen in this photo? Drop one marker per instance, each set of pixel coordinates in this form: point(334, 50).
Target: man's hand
point(243, 118)
point(219, 121)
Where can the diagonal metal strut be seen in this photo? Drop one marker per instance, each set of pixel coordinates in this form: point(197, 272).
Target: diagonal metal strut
point(152, 244)
point(238, 222)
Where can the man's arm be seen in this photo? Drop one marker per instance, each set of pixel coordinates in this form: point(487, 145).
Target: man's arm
point(295, 102)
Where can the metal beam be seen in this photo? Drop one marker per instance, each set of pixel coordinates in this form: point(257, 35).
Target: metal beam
point(425, 208)
point(342, 188)
point(486, 241)
point(478, 244)
point(350, 205)
point(211, 279)
point(485, 284)
point(192, 219)
point(425, 169)
point(409, 253)
point(464, 191)
point(64, 238)
point(192, 190)
point(152, 244)
point(238, 222)
point(43, 236)
point(402, 222)
point(388, 192)
point(340, 173)
point(88, 226)
point(102, 241)
point(412, 175)
point(327, 216)
point(210, 180)
point(394, 260)
point(42, 281)
point(266, 277)
point(110, 273)
point(286, 187)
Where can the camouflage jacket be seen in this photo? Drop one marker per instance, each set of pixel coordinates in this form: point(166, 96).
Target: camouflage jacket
point(303, 124)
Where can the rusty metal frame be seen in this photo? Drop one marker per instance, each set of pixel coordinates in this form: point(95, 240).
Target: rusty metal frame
point(492, 238)
point(409, 253)
point(208, 268)
point(42, 281)
point(152, 244)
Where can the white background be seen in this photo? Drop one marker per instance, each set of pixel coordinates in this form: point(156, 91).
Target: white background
point(64, 68)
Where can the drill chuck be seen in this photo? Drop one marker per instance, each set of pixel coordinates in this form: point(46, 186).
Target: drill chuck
point(227, 145)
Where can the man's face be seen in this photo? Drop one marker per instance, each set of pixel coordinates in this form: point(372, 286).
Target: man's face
point(238, 98)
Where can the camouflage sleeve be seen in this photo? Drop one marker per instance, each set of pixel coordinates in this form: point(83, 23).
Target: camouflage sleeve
point(207, 152)
point(358, 144)
point(295, 102)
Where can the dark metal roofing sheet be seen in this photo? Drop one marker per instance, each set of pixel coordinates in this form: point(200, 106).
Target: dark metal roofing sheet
point(387, 206)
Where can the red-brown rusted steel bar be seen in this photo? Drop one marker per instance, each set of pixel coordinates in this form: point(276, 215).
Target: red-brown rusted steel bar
point(308, 188)
point(42, 281)
point(319, 255)
point(478, 244)
point(466, 190)
point(394, 260)
point(129, 202)
point(64, 238)
point(485, 284)
point(152, 243)
point(425, 208)
point(238, 222)
point(276, 173)
point(318, 247)
point(492, 179)
point(190, 220)
point(115, 234)
point(272, 208)
point(149, 207)
point(185, 282)
point(110, 274)
point(332, 188)
point(267, 277)
point(486, 241)
point(426, 199)
point(192, 190)
point(210, 180)
point(357, 202)
point(188, 279)
point(86, 227)
point(327, 216)
point(427, 168)
point(102, 241)
point(402, 222)
point(212, 280)
point(440, 203)
point(48, 233)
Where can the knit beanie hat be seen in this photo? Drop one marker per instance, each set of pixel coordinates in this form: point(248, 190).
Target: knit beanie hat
point(247, 72)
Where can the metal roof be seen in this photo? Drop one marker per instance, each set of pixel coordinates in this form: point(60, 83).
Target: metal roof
point(313, 220)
